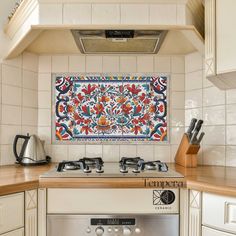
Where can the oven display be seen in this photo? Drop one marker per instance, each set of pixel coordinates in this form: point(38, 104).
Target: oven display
point(112, 221)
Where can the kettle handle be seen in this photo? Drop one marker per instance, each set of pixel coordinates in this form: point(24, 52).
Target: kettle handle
point(15, 145)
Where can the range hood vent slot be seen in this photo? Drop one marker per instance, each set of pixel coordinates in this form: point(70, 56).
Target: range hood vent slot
point(119, 41)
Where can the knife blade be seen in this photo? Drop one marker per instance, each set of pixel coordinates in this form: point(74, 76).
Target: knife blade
point(196, 131)
point(191, 127)
point(200, 137)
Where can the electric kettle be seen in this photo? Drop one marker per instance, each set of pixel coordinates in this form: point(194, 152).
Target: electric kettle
point(32, 151)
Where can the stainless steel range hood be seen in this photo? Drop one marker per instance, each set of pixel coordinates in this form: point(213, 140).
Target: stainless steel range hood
point(119, 41)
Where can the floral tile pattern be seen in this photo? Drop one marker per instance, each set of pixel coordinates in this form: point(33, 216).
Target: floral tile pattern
point(95, 108)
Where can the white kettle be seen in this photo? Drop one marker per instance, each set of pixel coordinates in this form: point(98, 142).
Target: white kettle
point(32, 151)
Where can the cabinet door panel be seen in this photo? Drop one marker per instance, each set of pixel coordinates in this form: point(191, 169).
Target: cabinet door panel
point(211, 232)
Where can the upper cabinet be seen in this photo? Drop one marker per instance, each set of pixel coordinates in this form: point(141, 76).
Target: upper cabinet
point(220, 46)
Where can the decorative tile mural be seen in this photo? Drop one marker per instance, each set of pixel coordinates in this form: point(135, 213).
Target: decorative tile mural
point(96, 108)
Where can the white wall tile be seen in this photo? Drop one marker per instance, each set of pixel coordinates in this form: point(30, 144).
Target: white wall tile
point(134, 14)
point(145, 64)
point(163, 14)
point(193, 99)
point(59, 153)
point(44, 99)
point(11, 75)
point(162, 64)
point(128, 151)
point(177, 82)
point(214, 155)
point(231, 114)
point(76, 63)
point(111, 153)
point(30, 80)
point(44, 133)
point(213, 96)
point(181, 14)
point(26, 129)
point(128, 64)
point(231, 134)
point(50, 14)
point(214, 115)
point(30, 98)
point(177, 100)
point(177, 117)
point(77, 13)
point(146, 152)
point(214, 135)
point(44, 81)
point(17, 61)
point(45, 64)
point(94, 64)
point(193, 62)
point(8, 133)
point(173, 150)
point(231, 96)
point(176, 135)
point(29, 116)
point(7, 156)
point(11, 95)
point(105, 14)
point(93, 150)
point(162, 153)
point(30, 61)
point(206, 82)
point(177, 64)
point(60, 64)
point(192, 113)
point(230, 156)
point(11, 115)
point(75, 152)
point(111, 64)
point(193, 80)
point(44, 117)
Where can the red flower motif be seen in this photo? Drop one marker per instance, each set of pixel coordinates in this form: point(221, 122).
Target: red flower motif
point(126, 108)
point(86, 129)
point(133, 89)
point(89, 90)
point(161, 108)
point(61, 108)
point(99, 108)
point(80, 97)
point(136, 129)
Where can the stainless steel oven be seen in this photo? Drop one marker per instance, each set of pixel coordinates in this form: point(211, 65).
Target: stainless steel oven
point(113, 225)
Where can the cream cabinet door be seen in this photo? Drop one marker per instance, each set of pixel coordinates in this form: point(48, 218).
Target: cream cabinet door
point(19, 232)
point(11, 212)
point(211, 232)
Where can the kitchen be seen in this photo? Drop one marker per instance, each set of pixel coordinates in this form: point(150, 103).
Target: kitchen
point(193, 64)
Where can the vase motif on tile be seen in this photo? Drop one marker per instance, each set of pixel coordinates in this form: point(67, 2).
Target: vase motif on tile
point(108, 108)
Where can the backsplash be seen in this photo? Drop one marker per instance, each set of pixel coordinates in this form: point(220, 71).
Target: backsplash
point(110, 108)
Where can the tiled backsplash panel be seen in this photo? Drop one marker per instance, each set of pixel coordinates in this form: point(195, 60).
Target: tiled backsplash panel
point(109, 108)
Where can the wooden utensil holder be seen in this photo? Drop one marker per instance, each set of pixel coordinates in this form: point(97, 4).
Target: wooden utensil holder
point(186, 154)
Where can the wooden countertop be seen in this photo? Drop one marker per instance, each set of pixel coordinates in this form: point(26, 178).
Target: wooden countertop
point(214, 179)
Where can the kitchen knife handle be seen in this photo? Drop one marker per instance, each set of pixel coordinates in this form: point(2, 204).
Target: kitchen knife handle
point(192, 125)
point(198, 126)
point(200, 138)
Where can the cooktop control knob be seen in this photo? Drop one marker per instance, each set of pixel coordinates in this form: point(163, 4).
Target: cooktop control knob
point(126, 231)
point(167, 197)
point(99, 231)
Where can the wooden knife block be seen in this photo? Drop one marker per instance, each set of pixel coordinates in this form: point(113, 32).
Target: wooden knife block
point(186, 154)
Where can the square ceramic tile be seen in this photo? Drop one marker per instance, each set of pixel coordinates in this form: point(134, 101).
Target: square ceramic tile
point(48, 150)
point(162, 64)
point(94, 64)
point(44, 99)
point(230, 156)
point(93, 150)
point(104, 13)
point(76, 63)
point(50, 14)
point(17, 61)
point(45, 64)
point(193, 62)
point(44, 82)
point(128, 151)
point(11, 95)
point(231, 134)
point(29, 116)
point(162, 153)
point(111, 153)
point(177, 100)
point(163, 14)
point(77, 13)
point(75, 152)
point(30, 98)
point(214, 115)
point(231, 96)
point(176, 135)
point(177, 82)
point(59, 153)
point(173, 151)
point(214, 135)
point(8, 133)
point(44, 117)
point(11, 75)
point(7, 156)
point(231, 114)
point(177, 64)
point(193, 99)
point(134, 13)
point(145, 64)
point(111, 64)
point(60, 64)
point(26, 129)
point(11, 115)
point(213, 96)
point(214, 155)
point(30, 61)
point(146, 152)
point(192, 113)
point(177, 117)
point(30, 80)
point(206, 82)
point(193, 80)
point(44, 134)
point(128, 64)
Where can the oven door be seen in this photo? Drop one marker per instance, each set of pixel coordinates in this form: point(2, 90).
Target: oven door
point(113, 225)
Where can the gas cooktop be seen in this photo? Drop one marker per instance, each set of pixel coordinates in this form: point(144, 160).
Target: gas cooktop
point(129, 167)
